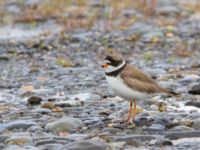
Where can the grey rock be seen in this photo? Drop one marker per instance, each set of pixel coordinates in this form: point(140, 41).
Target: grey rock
point(52, 146)
point(2, 146)
point(112, 130)
point(64, 124)
point(23, 138)
point(189, 79)
point(3, 138)
point(135, 137)
point(86, 145)
point(164, 142)
point(155, 128)
point(181, 128)
point(86, 97)
point(185, 134)
point(196, 123)
point(195, 90)
point(42, 110)
point(17, 124)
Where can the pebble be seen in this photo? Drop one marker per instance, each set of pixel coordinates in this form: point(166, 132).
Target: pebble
point(86, 97)
point(86, 145)
point(187, 79)
point(196, 124)
point(20, 139)
point(18, 124)
point(34, 100)
point(193, 103)
point(181, 128)
point(42, 110)
point(64, 124)
point(154, 128)
point(128, 138)
point(195, 90)
point(51, 146)
point(48, 105)
point(184, 134)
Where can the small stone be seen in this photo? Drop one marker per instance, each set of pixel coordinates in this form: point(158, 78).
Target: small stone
point(117, 145)
point(105, 112)
point(193, 103)
point(4, 58)
point(48, 105)
point(57, 109)
point(18, 124)
point(64, 124)
point(196, 123)
point(34, 100)
point(51, 146)
point(86, 97)
point(87, 145)
point(19, 139)
point(181, 128)
point(3, 138)
point(187, 79)
point(135, 139)
point(42, 111)
point(184, 134)
point(195, 90)
point(164, 142)
point(111, 130)
point(155, 128)
point(2, 146)
point(141, 121)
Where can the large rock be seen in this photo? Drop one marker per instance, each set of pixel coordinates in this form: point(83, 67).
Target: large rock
point(64, 124)
point(86, 145)
point(195, 89)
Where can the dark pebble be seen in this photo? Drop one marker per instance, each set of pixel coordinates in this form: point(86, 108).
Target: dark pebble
point(195, 90)
point(186, 134)
point(34, 100)
point(193, 103)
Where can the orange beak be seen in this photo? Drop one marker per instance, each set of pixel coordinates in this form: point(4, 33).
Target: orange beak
point(105, 65)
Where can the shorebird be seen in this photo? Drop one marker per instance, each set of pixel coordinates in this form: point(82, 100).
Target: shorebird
point(130, 83)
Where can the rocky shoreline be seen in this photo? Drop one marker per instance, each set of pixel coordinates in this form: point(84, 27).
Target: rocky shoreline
point(53, 93)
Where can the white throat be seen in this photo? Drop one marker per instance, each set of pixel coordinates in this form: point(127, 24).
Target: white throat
point(111, 68)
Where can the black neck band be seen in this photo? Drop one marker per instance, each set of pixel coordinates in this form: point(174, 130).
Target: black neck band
point(116, 72)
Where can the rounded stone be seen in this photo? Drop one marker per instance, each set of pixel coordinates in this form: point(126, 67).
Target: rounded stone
point(86, 145)
point(64, 124)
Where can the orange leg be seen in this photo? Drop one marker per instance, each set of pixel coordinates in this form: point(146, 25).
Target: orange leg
point(130, 111)
point(134, 110)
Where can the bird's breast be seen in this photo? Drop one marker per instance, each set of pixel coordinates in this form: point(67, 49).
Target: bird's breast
point(122, 90)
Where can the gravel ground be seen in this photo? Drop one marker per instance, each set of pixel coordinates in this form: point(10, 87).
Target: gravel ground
point(53, 93)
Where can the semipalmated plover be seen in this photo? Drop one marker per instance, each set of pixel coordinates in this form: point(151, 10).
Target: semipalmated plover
point(129, 82)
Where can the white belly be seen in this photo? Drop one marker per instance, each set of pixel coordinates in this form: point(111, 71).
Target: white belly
point(122, 90)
